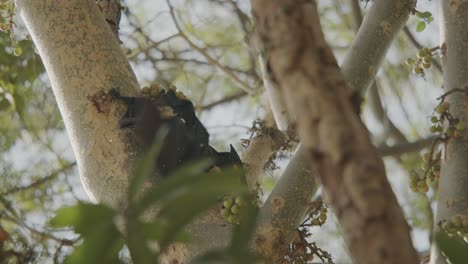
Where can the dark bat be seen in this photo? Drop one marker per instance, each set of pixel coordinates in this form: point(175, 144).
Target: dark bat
point(187, 138)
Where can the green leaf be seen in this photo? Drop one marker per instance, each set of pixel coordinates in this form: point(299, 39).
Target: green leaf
point(101, 246)
point(155, 231)
point(426, 14)
point(430, 19)
point(453, 248)
point(85, 218)
point(180, 177)
point(189, 201)
point(145, 167)
point(420, 26)
point(136, 243)
point(101, 239)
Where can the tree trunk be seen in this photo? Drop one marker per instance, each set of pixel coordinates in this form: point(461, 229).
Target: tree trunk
point(83, 60)
point(453, 183)
point(349, 167)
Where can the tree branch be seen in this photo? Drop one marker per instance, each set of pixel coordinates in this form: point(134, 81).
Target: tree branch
point(41, 181)
point(243, 85)
point(399, 149)
point(383, 22)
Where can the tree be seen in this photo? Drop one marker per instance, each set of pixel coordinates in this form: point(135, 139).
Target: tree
point(308, 95)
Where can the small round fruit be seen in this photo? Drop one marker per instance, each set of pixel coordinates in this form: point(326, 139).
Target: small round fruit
point(418, 70)
point(434, 119)
point(235, 209)
point(446, 105)
point(227, 203)
point(4, 27)
point(439, 109)
point(409, 61)
point(427, 58)
point(17, 51)
point(239, 201)
point(421, 53)
point(225, 213)
point(426, 65)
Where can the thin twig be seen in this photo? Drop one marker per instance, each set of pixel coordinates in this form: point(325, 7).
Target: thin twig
point(41, 181)
point(401, 149)
point(244, 86)
point(224, 100)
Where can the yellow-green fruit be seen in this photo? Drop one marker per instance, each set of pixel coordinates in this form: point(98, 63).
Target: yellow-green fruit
point(225, 213)
point(427, 58)
point(417, 70)
point(434, 119)
point(421, 53)
point(239, 201)
point(4, 27)
point(231, 218)
point(433, 129)
point(409, 61)
point(446, 105)
point(17, 51)
point(227, 203)
point(426, 65)
point(439, 109)
point(235, 209)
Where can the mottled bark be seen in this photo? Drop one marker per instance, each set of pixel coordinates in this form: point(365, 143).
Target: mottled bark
point(380, 26)
point(83, 61)
point(453, 184)
point(382, 23)
point(286, 206)
point(332, 134)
